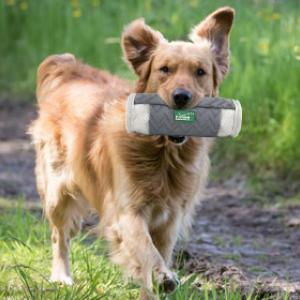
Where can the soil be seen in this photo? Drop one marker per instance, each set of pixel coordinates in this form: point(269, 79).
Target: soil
point(234, 239)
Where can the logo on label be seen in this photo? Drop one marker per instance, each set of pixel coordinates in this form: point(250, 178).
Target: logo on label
point(188, 116)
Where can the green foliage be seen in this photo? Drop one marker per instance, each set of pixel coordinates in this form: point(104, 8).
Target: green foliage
point(265, 59)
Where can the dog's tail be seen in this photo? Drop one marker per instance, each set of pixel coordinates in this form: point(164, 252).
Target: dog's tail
point(52, 72)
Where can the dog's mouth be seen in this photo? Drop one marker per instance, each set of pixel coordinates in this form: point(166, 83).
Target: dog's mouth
point(177, 139)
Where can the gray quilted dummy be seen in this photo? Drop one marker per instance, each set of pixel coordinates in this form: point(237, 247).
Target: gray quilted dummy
point(148, 114)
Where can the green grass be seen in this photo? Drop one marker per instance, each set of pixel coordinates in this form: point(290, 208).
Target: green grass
point(25, 258)
point(265, 60)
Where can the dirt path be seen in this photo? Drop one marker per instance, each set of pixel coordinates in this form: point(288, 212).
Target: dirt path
point(250, 246)
point(233, 238)
point(16, 153)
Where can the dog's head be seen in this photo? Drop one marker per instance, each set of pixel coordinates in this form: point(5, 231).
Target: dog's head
point(182, 73)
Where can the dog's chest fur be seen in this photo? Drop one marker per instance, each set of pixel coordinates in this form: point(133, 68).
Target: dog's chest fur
point(162, 176)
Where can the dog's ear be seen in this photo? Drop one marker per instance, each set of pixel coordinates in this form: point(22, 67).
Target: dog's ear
point(138, 43)
point(216, 28)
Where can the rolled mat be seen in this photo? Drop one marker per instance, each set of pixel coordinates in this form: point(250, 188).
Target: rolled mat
point(213, 117)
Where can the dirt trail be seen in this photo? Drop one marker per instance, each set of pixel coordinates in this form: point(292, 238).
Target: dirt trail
point(233, 238)
point(16, 152)
point(250, 246)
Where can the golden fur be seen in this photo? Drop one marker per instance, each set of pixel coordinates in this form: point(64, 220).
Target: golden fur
point(144, 188)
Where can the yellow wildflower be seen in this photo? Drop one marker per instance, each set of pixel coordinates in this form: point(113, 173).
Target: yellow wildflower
point(174, 18)
point(74, 3)
point(76, 13)
point(296, 49)
point(264, 46)
point(24, 6)
point(95, 3)
point(10, 2)
point(298, 57)
point(148, 5)
point(276, 16)
point(194, 3)
point(100, 290)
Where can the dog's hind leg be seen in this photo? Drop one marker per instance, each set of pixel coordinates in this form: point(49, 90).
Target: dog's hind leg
point(61, 217)
point(63, 211)
point(64, 219)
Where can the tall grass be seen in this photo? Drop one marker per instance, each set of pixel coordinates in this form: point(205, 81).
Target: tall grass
point(265, 47)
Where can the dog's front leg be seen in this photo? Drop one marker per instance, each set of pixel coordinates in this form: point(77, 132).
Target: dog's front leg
point(137, 241)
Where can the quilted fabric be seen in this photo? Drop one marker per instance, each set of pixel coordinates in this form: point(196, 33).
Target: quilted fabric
point(149, 114)
point(162, 122)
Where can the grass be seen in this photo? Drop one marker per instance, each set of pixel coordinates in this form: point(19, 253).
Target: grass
point(25, 257)
point(265, 60)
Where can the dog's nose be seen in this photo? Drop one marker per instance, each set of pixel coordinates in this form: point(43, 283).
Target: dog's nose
point(181, 97)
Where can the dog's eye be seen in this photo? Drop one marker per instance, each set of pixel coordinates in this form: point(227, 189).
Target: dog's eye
point(165, 69)
point(200, 72)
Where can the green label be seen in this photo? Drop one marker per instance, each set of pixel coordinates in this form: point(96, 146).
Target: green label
point(188, 116)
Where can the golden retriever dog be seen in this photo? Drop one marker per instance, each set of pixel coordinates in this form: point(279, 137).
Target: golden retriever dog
point(145, 188)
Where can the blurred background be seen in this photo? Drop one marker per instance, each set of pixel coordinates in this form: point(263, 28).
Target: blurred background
point(265, 62)
point(247, 230)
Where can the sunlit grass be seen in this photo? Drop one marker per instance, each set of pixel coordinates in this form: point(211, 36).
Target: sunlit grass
point(265, 51)
point(25, 257)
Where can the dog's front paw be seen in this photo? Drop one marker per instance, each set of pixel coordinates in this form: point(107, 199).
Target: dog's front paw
point(61, 278)
point(167, 282)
